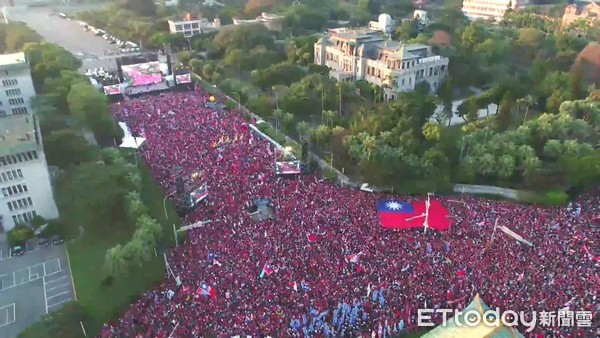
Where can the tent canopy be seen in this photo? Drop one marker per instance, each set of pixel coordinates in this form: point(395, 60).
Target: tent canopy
point(128, 140)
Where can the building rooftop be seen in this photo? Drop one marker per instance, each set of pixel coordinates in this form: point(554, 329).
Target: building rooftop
point(11, 59)
point(16, 132)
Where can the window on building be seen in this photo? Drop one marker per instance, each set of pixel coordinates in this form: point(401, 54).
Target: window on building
point(25, 188)
point(29, 201)
point(19, 111)
point(20, 188)
point(4, 177)
point(10, 175)
point(15, 205)
point(15, 219)
point(21, 204)
point(18, 100)
point(35, 154)
point(9, 159)
point(5, 192)
point(9, 82)
point(13, 92)
point(10, 208)
point(19, 158)
point(20, 218)
point(2, 113)
point(19, 173)
point(34, 213)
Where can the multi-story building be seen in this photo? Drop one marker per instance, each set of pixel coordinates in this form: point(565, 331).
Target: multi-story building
point(364, 54)
point(24, 177)
point(192, 25)
point(585, 11)
point(491, 9)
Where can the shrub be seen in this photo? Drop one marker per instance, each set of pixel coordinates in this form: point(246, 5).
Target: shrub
point(38, 221)
point(19, 235)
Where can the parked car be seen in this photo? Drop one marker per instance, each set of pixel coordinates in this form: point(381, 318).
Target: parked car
point(43, 242)
point(17, 251)
point(56, 239)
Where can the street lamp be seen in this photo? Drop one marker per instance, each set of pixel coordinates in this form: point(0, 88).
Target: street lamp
point(165, 204)
point(276, 119)
point(330, 158)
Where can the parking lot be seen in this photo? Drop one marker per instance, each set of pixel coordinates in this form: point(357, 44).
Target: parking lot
point(32, 285)
point(94, 51)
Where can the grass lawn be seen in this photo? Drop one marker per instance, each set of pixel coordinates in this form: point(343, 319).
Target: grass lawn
point(87, 262)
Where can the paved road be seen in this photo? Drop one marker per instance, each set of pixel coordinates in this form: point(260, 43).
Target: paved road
point(31, 286)
point(90, 48)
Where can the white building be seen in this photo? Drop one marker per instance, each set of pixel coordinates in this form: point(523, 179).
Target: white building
point(365, 55)
point(491, 9)
point(24, 177)
point(384, 24)
point(273, 22)
point(193, 26)
point(167, 3)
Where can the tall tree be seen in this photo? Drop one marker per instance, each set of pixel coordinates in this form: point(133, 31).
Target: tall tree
point(504, 118)
point(64, 148)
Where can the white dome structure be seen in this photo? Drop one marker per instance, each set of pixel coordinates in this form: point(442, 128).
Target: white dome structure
point(385, 20)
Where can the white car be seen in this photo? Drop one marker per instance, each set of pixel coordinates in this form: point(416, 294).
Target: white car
point(79, 54)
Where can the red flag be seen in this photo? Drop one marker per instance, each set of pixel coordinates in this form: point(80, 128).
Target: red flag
point(312, 238)
point(399, 215)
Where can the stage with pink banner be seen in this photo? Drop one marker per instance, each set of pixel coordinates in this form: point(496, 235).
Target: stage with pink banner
point(183, 79)
point(142, 73)
point(112, 90)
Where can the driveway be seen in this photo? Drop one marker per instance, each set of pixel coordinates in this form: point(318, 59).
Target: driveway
point(94, 51)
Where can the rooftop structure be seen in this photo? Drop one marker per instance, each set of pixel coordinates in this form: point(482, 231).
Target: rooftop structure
point(493, 10)
point(17, 132)
point(384, 24)
point(364, 54)
point(12, 59)
point(273, 22)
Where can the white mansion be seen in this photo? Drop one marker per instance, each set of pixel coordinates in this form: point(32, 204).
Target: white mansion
point(365, 55)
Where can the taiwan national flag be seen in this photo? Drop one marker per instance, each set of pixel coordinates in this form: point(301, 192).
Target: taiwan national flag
point(400, 215)
point(267, 270)
point(394, 214)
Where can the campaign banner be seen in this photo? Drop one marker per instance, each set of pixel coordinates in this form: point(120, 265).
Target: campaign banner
point(183, 79)
point(112, 90)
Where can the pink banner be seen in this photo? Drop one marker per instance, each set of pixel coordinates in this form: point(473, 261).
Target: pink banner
point(112, 90)
point(142, 73)
point(185, 78)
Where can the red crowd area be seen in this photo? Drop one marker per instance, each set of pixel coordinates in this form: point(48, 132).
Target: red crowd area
point(412, 269)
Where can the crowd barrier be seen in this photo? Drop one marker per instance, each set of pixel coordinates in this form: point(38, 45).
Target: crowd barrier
point(486, 189)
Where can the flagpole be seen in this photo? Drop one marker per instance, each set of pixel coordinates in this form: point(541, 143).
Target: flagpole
point(495, 227)
point(426, 223)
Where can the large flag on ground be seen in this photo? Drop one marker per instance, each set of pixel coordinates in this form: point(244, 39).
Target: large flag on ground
point(399, 215)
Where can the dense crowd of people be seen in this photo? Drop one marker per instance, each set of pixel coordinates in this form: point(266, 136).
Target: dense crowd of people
point(311, 287)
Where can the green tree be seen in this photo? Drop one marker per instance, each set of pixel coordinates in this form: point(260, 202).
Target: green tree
point(65, 147)
point(90, 108)
point(504, 118)
point(48, 60)
point(409, 29)
point(93, 193)
point(141, 7)
point(115, 261)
